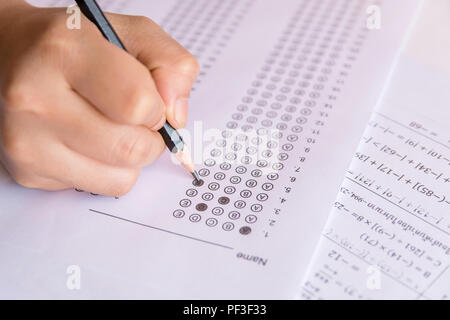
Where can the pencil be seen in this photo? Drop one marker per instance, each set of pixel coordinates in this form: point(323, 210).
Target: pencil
point(171, 137)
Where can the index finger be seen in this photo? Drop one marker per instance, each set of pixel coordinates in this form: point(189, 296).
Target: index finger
point(113, 81)
point(173, 68)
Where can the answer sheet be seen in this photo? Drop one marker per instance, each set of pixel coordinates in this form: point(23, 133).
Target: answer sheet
point(388, 235)
point(285, 90)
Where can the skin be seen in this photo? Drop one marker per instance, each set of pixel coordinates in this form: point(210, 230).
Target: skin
point(78, 112)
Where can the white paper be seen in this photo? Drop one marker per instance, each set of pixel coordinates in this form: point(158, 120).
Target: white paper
point(312, 66)
point(388, 236)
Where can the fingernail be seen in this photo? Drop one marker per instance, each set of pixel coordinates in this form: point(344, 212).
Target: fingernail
point(181, 111)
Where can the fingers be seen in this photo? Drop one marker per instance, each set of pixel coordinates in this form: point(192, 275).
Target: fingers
point(51, 184)
point(73, 170)
point(62, 168)
point(173, 68)
point(93, 176)
point(88, 132)
point(47, 184)
point(83, 173)
point(69, 144)
point(42, 161)
point(29, 179)
point(113, 81)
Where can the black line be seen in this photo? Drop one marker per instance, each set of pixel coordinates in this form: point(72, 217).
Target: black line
point(362, 259)
point(417, 132)
point(398, 206)
point(160, 229)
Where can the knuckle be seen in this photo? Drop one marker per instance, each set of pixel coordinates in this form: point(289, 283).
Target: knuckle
point(16, 148)
point(132, 151)
point(188, 64)
point(143, 21)
point(26, 181)
point(16, 94)
point(142, 105)
point(55, 47)
point(122, 187)
point(58, 48)
point(56, 36)
point(59, 45)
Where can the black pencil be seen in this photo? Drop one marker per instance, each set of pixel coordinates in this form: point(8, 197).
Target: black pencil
point(171, 137)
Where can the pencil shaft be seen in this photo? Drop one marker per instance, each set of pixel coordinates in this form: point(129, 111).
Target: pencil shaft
point(92, 11)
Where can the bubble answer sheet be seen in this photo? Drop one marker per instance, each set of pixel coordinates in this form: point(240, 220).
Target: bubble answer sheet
point(285, 91)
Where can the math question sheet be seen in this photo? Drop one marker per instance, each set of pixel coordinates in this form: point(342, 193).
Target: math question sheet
point(388, 235)
point(285, 91)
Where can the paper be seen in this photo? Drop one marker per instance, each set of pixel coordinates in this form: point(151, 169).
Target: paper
point(388, 236)
point(300, 78)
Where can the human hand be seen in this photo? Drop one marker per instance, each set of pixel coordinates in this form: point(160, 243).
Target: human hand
point(78, 112)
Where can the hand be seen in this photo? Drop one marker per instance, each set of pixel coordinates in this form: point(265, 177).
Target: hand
point(78, 112)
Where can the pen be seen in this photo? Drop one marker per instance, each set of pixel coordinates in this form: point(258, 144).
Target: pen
point(171, 137)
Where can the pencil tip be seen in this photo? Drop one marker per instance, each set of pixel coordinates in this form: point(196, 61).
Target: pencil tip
point(185, 159)
point(195, 175)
